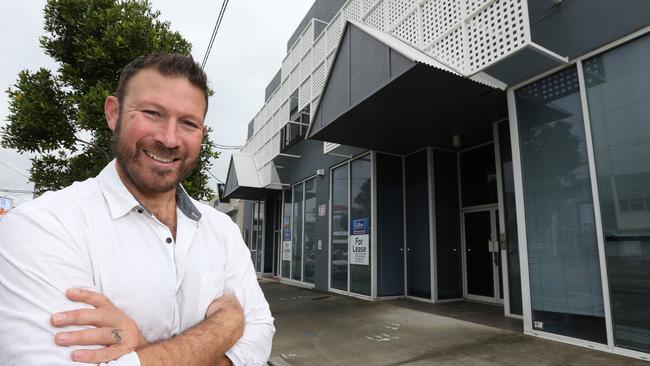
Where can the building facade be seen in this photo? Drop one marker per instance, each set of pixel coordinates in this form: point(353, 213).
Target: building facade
point(446, 150)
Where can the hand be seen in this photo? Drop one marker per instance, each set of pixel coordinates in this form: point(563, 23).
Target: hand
point(113, 328)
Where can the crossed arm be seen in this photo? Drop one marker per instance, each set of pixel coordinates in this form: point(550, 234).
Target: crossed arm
point(204, 344)
point(37, 268)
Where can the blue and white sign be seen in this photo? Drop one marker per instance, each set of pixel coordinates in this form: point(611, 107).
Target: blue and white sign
point(286, 229)
point(359, 226)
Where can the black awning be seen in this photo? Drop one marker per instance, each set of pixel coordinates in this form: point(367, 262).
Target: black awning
point(382, 98)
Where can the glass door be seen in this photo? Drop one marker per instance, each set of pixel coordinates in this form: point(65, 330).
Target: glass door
point(482, 256)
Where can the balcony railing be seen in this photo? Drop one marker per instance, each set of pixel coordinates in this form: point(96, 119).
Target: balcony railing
point(466, 35)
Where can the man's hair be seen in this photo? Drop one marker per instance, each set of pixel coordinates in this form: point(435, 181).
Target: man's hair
point(168, 64)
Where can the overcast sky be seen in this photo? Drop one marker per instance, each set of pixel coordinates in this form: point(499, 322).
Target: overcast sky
point(246, 54)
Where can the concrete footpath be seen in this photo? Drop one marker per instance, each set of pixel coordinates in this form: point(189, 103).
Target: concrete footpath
point(317, 328)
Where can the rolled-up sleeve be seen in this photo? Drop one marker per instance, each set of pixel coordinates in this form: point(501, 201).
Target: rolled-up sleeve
point(254, 347)
point(39, 261)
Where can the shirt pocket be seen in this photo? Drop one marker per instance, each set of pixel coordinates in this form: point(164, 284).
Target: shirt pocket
point(211, 288)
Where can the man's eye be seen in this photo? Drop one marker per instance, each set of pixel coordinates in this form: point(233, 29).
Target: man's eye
point(151, 112)
point(189, 124)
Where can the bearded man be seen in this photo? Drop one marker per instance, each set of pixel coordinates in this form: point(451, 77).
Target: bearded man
point(126, 268)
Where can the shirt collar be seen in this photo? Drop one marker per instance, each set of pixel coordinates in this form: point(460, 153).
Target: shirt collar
point(121, 201)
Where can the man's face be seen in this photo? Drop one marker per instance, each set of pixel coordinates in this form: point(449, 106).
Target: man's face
point(159, 131)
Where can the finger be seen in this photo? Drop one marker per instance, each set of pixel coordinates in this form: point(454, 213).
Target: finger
point(78, 317)
point(98, 355)
point(86, 296)
point(98, 336)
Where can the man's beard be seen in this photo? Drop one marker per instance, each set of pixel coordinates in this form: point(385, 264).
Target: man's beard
point(152, 181)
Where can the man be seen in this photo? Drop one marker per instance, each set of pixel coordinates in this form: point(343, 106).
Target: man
point(126, 268)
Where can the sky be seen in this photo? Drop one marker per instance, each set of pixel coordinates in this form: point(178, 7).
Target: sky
point(247, 52)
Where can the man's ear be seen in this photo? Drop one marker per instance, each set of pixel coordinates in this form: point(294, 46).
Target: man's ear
point(111, 111)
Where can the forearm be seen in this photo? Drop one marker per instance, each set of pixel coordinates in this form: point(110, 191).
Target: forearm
point(204, 344)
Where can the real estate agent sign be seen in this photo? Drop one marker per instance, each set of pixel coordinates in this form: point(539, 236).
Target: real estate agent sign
point(359, 242)
point(286, 250)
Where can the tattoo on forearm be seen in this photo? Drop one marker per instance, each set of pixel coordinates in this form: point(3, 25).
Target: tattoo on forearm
point(116, 335)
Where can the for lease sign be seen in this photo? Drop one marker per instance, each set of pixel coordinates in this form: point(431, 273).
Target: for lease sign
point(360, 249)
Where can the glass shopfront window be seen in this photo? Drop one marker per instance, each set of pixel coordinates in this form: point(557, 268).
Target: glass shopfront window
point(565, 281)
point(311, 241)
point(299, 232)
point(618, 93)
point(360, 210)
point(339, 235)
point(351, 226)
point(257, 244)
point(286, 234)
point(296, 243)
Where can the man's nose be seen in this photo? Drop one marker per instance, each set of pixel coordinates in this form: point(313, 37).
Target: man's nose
point(168, 135)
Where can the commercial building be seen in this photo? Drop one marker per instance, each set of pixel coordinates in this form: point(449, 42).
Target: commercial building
point(446, 150)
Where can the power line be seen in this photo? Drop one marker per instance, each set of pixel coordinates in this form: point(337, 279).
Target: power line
point(16, 191)
point(225, 147)
point(14, 169)
point(224, 4)
point(215, 177)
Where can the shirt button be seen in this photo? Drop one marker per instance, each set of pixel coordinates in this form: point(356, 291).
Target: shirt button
point(168, 240)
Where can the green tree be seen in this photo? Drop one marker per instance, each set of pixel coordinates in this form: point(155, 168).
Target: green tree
point(59, 116)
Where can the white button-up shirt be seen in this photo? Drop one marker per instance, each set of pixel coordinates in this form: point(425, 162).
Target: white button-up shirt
point(95, 234)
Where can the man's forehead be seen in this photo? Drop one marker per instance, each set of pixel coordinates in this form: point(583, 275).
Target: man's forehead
point(152, 80)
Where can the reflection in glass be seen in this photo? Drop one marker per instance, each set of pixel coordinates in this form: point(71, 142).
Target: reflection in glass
point(311, 212)
point(260, 238)
point(510, 214)
point(339, 219)
point(618, 91)
point(478, 176)
point(296, 244)
point(253, 247)
point(360, 196)
point(286, 233)
point(565, 282)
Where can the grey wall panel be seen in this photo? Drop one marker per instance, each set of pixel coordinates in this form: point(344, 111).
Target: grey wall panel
point(231, 180)
point(298, 169)
point(521, 67)
point(319, 27)
point(390, 226)
point(273, 84)
point(323, 10)
point(448, 250)
point(576, 27)
point(369, 64)
point(336, 99)
point(417, 226)
point(399, 64)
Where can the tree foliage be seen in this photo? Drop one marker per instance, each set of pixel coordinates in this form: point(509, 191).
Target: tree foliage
point(59, 116)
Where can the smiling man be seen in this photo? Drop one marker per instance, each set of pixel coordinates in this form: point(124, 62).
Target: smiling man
point(126, 268)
